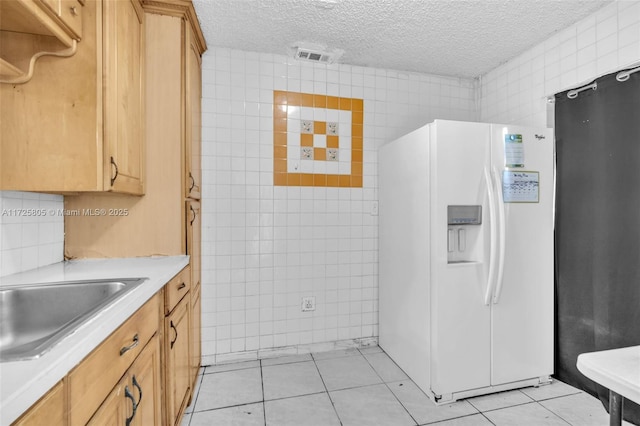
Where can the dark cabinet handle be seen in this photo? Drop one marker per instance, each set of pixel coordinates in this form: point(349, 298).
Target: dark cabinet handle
point(137, 385)
point(134, 406)
point(113, 163)
point(194, 215)
point(175, 330)
point(181, 286)
point(131, 346)
point(193, 182)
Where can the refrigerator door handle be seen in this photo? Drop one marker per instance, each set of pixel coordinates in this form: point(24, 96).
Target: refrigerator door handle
point(494, 237)
point(501, 236)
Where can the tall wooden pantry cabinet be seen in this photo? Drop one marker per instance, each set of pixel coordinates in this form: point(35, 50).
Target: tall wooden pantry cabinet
point(166, 220)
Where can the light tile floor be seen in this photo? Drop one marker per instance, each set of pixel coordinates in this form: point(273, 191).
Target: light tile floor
point(365, 388)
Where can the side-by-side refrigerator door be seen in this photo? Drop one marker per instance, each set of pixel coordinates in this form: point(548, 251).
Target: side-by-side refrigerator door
point(460, 230)
point(522, 303)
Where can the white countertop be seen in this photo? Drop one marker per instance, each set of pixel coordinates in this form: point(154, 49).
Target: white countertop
point(22, 383)
point(616, 369)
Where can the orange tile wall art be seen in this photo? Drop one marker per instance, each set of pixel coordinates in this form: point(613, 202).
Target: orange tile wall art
point(317, 140)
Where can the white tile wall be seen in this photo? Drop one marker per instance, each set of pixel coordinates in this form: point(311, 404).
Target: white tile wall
point(31, 231)
point(266, 247)
point(604, 42)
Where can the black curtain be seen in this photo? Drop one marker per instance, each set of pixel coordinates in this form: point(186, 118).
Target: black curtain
point(597, 239)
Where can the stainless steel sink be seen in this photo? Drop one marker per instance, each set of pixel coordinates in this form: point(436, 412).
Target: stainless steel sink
point(33, 318)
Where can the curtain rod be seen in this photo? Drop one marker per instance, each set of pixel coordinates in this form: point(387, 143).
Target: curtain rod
point(621, 76)
point(572, 94)
point(624, 75)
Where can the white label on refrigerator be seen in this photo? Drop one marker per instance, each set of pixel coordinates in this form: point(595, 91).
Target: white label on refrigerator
point(520, 187)
point(513, 151)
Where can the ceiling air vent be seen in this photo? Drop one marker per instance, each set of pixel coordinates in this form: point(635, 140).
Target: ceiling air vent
point(312, 56)
point(316, 54)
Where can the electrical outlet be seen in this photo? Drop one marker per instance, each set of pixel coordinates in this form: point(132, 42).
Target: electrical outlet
point(308, 304)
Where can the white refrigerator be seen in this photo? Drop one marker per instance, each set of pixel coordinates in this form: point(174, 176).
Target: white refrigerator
point(466, 299)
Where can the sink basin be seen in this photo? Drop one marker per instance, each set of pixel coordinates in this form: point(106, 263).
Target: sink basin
point(35, 317)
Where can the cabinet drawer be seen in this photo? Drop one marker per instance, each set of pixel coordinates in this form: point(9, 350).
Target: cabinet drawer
point(176, 289)
point(92, 380)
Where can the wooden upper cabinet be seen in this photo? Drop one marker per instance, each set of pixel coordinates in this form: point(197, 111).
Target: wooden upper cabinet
point(124, 95)
point(193, 119)
point(30, 29)
point(61, 130)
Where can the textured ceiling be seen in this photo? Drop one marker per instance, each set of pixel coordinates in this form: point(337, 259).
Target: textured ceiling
point(463, 38)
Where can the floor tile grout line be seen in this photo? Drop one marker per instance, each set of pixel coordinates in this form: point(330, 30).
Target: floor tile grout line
point(488, 419)
point(226, 371)
point(264, 406)
point(558, 396)
point(194, 398)
point(437, 422)
point(554, 413)
point(333, 405)
point(295, 396)
point(505, 407)
point(388, 388)
point(227, 406)
point(530, 397)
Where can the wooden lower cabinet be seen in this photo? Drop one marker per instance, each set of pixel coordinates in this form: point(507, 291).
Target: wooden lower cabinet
point(50, 410)
point(114, 410)
point(146, 374)
point(142, 374)
point(196, 333)
point(136, 399)
point(95, 377)
point(178, 362)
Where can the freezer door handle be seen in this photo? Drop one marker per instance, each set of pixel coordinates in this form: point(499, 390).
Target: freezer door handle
point(501, 236)
point(494, 237)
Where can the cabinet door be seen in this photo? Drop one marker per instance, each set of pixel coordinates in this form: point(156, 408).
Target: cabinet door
point(116, 409)
point(194, 229)
point(193, 178)
point(49, 410)
point(196, 332)
point(135, 400)
point(177, 372)
point(123, 96)
point(145, 383)
point(92, 380)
